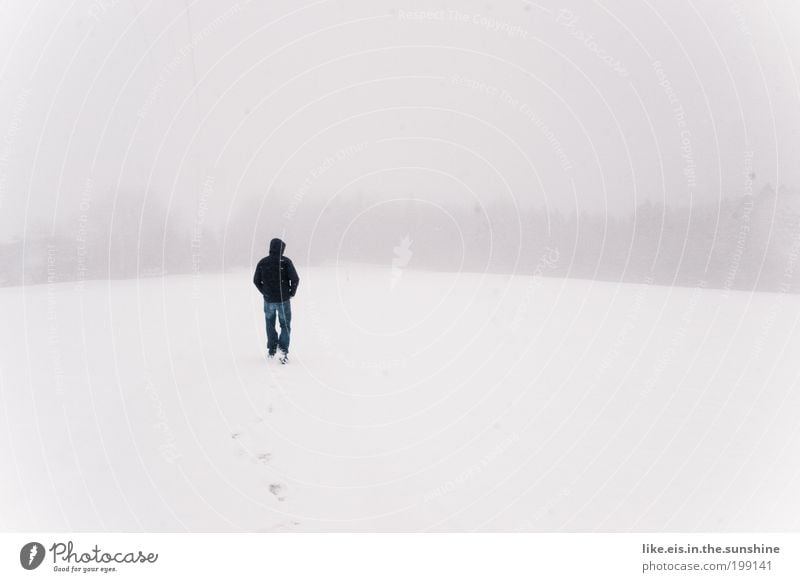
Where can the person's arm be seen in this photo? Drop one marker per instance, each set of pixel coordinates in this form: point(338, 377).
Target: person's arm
point(294, 279)
point(257, 279)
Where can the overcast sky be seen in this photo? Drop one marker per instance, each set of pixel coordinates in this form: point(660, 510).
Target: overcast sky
point(570, 104)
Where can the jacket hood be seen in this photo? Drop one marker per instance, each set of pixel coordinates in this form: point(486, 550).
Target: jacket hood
point(276, 247)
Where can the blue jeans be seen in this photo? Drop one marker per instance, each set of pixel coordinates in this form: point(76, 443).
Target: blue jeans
point(283, 312)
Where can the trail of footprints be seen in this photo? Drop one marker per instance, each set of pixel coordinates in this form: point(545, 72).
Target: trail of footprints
point(254, 452)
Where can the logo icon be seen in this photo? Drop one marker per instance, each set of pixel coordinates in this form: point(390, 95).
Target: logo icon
point(31, 555)
point(402, 256)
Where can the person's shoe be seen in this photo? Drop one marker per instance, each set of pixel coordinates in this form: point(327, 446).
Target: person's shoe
point(283, 357)
point(271, 355)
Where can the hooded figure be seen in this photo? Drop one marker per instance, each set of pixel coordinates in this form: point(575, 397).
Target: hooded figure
point(275, 277)
point(277, 280)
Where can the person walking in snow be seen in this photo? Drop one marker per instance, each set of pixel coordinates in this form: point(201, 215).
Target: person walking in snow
point(276, 279)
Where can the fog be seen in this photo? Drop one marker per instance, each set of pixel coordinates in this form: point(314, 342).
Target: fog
point(633, 141)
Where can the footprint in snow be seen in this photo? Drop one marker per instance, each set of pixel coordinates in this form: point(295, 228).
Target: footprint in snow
point(278, 490)
point(245, 447)
point(282, 526)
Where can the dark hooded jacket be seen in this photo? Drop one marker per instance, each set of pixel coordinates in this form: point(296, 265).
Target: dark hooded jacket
point(275, 276)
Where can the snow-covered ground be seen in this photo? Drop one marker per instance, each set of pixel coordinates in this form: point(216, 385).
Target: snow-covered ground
point(413, 401)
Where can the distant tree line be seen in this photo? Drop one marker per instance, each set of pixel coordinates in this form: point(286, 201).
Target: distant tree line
point(744, 243)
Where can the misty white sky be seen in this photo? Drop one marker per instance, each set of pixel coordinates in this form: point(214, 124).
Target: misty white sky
point(569, 104)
